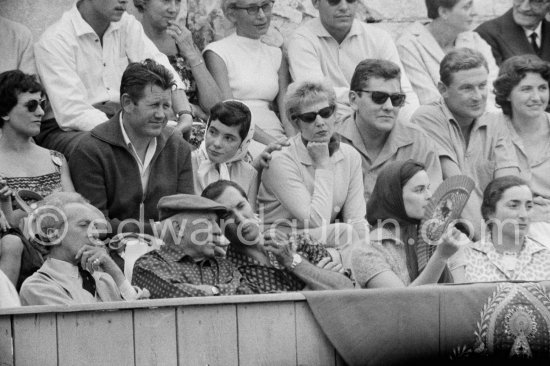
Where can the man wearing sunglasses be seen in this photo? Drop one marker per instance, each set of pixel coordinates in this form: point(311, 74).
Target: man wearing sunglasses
point(522, 29)
point(332, 45)
point(376, 100)
point(468, 143)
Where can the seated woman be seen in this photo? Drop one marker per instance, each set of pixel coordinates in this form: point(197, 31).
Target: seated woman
point(23, 164)
point(393, 257)
point(506, 253)
point(273, 262)
point(247, 69)
point(316, 181)
point(522, 92)
point(176, 42)
point(422, 47)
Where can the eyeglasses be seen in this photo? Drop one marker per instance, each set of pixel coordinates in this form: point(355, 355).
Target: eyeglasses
point(255, 9)
point(309, 117)
point(378, 97)
point(336, 2)
point(34, 103)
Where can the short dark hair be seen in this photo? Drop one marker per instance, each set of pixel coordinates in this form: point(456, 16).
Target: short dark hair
point(460, 59)
point(232, 113)
point(214, 190)
point(511, 72)
point(140, 74)
point(494, 191)
point(13, 83)
point(140, 5)
point(373, 68)
point(434, 5)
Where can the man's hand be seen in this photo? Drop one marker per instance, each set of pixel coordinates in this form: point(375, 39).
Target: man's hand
point(185, 123)
point(5, 192)
point(329, 265)
point(262, 160)
point(282, 251)
point(109, 108)
point(93, 258)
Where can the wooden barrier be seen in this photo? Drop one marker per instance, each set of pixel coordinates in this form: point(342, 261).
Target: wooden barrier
point(276, 329)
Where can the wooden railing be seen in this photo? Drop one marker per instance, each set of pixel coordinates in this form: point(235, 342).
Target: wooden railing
point(276, 329)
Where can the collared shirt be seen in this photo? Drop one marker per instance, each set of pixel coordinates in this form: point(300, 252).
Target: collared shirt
point(264, 278)
point(485, 264)
point(314, 54)
point(145, 166)
point(17, 47)
point(537, 31)
point(79, 71)
point(405, 141)
point(169, 272)
point(58, 283)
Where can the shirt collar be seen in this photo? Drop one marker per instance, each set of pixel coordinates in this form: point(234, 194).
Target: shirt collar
point(303, 154)
point(320, 31)
point(176, 253)
point(62, 268)
point(530, 246)
point(128, 142)
point(537, 30)
point(478, 122)
point(82, 27)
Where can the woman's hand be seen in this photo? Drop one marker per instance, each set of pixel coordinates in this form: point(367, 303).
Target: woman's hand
point(5, 192)
point(450, 242)
point(319, 154)
point(262, 161)
point(184, 40)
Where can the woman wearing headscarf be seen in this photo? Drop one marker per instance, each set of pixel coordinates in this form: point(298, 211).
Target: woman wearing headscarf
point(394, 257)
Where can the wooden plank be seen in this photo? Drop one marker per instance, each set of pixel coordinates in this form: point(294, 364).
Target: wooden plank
point(35, 339)
point(312, 346)
point(267, 334)
point(155, 337)
point(6, 341)
point(99, 338)
point(207, 335)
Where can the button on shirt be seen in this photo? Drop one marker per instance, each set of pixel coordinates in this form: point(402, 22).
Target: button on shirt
point(79, 71)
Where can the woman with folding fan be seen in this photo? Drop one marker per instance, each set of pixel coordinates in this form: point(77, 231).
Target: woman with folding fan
point(392, 258)
point(23, 164)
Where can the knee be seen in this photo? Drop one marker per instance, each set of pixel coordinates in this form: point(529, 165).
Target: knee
point(12, 246)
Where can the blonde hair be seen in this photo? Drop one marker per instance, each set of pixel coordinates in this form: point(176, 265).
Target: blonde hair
point(302, 92)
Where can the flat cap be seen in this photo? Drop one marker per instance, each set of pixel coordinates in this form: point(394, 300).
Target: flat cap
point(179, 203)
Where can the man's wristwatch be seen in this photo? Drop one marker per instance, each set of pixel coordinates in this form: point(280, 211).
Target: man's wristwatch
point(296, 259)
point(215, 291)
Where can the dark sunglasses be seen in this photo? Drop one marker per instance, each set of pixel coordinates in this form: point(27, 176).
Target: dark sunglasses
point(336, 2)
point(255, 9)
point(34, 103)
point(378, 97)
point(309, 117)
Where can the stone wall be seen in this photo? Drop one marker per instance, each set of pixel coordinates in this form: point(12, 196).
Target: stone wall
point(206, 20)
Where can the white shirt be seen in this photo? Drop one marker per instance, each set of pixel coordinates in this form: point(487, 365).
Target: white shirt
point(145, 166)
point(78, 72)
point(538, 31)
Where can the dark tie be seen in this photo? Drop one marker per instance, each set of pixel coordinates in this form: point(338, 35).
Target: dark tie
point(88, 282)
point(536, 47)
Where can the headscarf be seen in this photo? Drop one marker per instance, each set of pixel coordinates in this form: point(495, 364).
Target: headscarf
point(208, 171)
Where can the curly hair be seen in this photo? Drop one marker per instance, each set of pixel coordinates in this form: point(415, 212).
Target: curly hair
point(494, 191)
point(13, 83)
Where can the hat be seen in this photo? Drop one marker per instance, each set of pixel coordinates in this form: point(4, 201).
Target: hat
point(178, 203)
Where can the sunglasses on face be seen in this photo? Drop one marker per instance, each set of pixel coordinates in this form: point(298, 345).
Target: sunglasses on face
point(336, 2)
point(34, 103)
point(309, 117)
point(255, 9)
point(378, 97)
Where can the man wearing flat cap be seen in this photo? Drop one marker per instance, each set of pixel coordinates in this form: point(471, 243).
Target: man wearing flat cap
point(187, 265)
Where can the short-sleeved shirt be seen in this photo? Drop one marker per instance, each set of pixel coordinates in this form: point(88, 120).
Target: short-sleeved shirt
point(405, 141)
point(484, 263)
point(489, 149)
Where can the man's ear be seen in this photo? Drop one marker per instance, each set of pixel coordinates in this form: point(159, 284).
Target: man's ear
point(53, 235)
point(5, 118)
point(127, 103)
point(353, 100)
point(442, 88)
point(316, 3)
point(443, 12)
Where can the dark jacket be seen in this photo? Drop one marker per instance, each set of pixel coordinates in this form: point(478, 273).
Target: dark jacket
point(508, 39)
point(105, 172)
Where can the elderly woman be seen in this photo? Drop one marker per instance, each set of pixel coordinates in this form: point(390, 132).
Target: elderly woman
point(394, 256)
point(521, 91)
point(422, 47)
point(506, 253)
point(23, 164)
point(247, 69)
point(316, 181)
point(176, 42)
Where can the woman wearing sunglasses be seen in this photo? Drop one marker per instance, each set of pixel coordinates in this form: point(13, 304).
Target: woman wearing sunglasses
point(316, 181)
point(23, 164)
point(422, 47)
point(247, 69)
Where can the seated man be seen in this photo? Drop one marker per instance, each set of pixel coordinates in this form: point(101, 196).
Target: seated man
point(186, 264)
point(80, 60)
point(522, 29)
point(68, 227)
point(373, 129)
point(129, 162)
point(290, 271)
point(332, 45)
point(17, 47)
point(467, 142)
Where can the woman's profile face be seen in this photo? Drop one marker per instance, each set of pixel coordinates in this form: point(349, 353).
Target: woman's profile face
point(252, 17)
point(461, 16)
point(416, 195)
point(22, 118)
point(161, 12)
point(222, 142)
point(529, 98)
point(322, 128)
point(512, 211)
